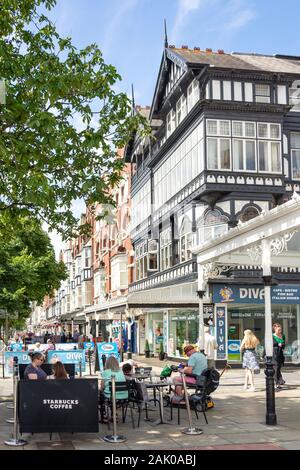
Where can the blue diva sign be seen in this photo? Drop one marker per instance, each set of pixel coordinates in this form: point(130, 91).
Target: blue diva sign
point(23, 358)
point(68, 357)
point(221, 330)
point(105, 350)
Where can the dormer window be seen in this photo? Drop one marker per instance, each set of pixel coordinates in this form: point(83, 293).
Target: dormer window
point(262, 93)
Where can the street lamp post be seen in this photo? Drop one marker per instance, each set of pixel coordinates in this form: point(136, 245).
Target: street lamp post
point(201, 292)
point(269, 370)
point(129, 322)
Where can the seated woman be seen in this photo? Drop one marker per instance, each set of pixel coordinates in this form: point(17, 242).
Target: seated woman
point(111, 367)
point(59, 371)
point(33, 371)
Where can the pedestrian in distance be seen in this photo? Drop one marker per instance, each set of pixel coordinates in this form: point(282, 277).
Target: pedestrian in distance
point(278, 356)
point(250, 361)
point(210, 346)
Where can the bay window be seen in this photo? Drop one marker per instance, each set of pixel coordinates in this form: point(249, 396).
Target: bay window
point(262, 93)
point(171, 122)
point(269, 156)
point(210, 226)
point(166, 249)
point(244, 155)
point(295, 154)
point(193, 95)
point(218, 154)
point(185, 240)
point(152, 255)
point(141, 261)
point(181, 109)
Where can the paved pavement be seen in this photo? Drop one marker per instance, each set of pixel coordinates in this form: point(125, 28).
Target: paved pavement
point(236, 422)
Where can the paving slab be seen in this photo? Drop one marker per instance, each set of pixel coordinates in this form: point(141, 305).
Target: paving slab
point(290, 445)
point(236, 422)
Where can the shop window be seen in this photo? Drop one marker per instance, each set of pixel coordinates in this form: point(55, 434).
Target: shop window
point(249, 213)
point(183, 330)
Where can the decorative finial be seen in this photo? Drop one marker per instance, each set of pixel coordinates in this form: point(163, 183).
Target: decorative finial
point(132, 101)
point(166, 34)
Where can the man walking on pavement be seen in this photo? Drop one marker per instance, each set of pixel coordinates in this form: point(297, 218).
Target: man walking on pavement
point(210, 346)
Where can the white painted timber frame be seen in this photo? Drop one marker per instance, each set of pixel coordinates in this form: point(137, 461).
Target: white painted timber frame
point(265, 239)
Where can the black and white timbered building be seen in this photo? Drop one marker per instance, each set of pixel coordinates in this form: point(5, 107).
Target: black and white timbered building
point(225, 146)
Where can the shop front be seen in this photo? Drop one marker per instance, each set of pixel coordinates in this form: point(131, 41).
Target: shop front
point(174, 328)
point(245, 310)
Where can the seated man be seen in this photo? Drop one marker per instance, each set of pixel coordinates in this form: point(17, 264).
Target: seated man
point(196, 364)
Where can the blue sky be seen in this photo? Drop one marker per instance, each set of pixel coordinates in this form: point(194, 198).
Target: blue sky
point(130, 33)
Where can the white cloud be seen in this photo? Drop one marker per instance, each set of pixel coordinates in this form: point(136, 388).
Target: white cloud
point(124, 7)
point(185, 7)
point(238, 13)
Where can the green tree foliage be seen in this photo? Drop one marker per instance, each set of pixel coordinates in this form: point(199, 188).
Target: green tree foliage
point(28, 269)
point(47, 160)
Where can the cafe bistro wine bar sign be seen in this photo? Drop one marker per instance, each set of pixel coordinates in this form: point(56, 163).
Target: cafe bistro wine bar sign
point(247, 294)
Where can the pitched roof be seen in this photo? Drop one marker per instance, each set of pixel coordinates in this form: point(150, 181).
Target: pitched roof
point(240, 61)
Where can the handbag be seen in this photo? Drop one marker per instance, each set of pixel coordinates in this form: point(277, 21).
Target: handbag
point(257, 371)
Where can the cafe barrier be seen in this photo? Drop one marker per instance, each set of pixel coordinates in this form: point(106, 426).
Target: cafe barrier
point(114, 437)
point(191, 430)
point(15, 441)
point(48, 406)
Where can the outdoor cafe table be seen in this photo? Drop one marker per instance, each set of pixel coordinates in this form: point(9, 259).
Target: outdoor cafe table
point(159, 386)
point(139, 376)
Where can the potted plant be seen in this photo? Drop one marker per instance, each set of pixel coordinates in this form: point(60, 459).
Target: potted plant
point(147, 349)
point(161, 351)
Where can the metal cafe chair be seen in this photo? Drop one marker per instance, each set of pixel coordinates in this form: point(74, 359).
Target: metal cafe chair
point(122, 403)
point(137, 397)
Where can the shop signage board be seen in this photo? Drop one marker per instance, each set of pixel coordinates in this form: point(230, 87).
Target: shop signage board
point(66, 346)
point(107, 350)
point(221, 330)
point(16, 346)
point(208, 314)
point(248, 294)
point(234, 349)
point(68, 357)
point(58, 406)
point(23, 358)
